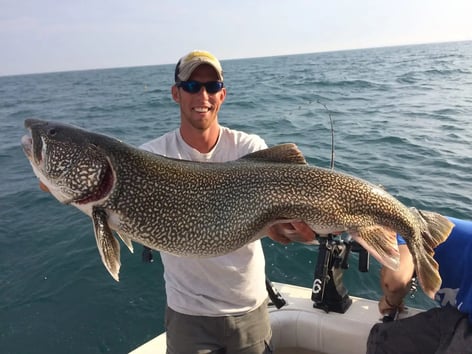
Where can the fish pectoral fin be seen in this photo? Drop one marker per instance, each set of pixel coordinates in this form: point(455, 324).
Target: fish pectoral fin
point(108, 246)
point(380, 242)
point(126, 240)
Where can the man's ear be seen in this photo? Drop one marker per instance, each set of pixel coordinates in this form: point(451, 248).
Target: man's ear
point(222, 94)
point(175, 93)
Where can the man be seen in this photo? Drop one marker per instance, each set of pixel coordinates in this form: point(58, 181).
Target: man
point(447, 329)
point(215, 305)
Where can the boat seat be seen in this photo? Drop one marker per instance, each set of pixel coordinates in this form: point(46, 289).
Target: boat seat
point(303, 332)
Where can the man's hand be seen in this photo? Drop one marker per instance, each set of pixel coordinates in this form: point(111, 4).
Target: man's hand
point(396, 284)
point(386, 307)
point(285, 233)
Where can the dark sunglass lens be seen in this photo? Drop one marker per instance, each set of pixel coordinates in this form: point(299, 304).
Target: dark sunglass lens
point(191, 86)
point(213, 86)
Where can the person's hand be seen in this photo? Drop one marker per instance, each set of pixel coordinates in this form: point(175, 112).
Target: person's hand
point(387, 307)
point(285, 233)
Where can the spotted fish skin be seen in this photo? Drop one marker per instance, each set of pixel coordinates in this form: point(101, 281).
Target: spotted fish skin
point(209, 209)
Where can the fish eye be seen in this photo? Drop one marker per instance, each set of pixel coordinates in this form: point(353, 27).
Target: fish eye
point(52, 132)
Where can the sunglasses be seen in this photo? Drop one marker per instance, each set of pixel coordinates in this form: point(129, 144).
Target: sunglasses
point(192, 86)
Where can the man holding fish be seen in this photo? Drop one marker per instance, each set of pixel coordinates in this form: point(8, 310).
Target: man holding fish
point(214, 304)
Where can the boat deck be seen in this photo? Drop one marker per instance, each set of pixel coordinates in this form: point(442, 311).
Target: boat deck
point(298, 328)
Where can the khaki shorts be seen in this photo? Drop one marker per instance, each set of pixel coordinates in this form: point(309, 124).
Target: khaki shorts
point(245, 334)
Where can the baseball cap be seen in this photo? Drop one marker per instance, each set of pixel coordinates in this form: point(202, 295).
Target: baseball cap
point(188, 63)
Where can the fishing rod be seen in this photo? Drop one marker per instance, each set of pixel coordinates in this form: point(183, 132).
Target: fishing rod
point(331, 165)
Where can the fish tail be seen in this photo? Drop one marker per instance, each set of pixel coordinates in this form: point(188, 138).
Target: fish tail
point(427, 271)
point(434, 230)
point(436, 227)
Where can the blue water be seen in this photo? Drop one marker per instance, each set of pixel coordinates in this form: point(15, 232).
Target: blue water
point(402, 116)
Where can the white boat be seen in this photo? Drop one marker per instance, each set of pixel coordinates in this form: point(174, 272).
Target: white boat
point(299, 328)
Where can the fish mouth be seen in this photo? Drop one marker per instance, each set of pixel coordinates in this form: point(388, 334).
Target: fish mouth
point(27, 145)
point(32, 143)
point(33, 149)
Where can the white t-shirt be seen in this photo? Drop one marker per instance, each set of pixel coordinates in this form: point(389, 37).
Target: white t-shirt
point(231, 284)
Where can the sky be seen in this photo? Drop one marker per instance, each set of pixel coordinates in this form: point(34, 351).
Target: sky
point(62, 35)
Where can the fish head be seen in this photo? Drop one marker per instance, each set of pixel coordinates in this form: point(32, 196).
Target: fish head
point(68, 160)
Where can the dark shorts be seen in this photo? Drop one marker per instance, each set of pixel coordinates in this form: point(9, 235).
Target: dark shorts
point(246, 334)
point(440, 331)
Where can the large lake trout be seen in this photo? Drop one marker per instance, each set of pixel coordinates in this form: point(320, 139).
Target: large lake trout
point(209, 209)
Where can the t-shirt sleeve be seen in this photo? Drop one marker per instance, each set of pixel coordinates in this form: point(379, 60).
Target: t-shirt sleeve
point(256, 143)
point(161, 144)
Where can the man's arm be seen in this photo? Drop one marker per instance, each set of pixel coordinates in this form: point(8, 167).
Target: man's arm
point(396, 284)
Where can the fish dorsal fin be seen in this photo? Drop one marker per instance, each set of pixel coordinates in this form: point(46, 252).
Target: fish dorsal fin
point(283, 153)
